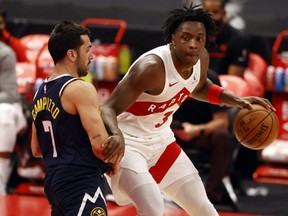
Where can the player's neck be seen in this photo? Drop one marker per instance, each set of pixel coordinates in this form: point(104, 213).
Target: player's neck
point(61, 69)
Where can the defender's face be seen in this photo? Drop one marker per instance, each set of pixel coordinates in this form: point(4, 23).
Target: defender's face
point(84, 57)
point(189, 42)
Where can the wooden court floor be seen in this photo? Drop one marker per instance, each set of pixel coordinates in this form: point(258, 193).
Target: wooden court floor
point(22, 205)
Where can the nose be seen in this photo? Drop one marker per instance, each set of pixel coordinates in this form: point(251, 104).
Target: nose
point(193, 44)
point(91, 57)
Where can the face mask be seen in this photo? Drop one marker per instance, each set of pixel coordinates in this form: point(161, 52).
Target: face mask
point(218, 23)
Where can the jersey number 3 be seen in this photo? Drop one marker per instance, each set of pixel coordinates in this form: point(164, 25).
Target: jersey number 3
point(166, 116)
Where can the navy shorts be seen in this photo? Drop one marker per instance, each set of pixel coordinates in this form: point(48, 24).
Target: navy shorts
point(76, 191)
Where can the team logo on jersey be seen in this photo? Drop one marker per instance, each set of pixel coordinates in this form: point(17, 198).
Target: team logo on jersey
point(172, 84)
point(98, 211)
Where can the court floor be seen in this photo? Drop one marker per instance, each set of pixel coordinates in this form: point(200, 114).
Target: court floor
point(22, 205)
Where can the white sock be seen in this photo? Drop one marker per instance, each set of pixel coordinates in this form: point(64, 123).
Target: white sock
point(4, 174)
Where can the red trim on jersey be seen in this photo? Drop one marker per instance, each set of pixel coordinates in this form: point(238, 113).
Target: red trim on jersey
point(159, 170)
point(142, 108)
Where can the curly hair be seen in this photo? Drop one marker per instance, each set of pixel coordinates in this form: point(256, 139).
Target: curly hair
point(192, 13)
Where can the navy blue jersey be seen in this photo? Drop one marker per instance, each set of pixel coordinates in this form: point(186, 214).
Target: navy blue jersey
point(62, 138)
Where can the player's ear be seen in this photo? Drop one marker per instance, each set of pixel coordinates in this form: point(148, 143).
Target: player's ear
point(173, 40)
point(72, 55)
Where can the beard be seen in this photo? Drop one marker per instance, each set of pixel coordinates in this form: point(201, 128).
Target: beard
point(81, 72)
point(218, 23)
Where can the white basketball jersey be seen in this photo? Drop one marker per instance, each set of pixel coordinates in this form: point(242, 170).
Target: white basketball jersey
point(151, 115)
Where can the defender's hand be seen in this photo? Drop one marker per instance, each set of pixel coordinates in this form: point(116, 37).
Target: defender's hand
point(114, 148)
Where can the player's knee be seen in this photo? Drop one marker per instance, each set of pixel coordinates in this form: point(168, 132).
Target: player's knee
point(152, 207)
point(205, 208)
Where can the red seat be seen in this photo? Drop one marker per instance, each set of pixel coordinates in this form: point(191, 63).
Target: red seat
point(44, 63)
point(254, 78)
point(255, 74)
point(235, 84)
point(33, 43)
point(26, 76)
point(258, 66)
point(256, 87)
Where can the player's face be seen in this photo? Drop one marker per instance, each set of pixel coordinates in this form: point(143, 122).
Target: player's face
point(84, 56)
point(189, 41)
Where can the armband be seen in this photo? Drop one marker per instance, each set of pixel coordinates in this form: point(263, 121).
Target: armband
point(214, 93)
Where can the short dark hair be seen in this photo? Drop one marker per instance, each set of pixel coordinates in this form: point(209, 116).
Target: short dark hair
point(192, 13)
point(65, 35)
point(222, 2)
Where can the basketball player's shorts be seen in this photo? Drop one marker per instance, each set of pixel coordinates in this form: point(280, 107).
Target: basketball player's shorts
point(75, 192)
point(160, 156)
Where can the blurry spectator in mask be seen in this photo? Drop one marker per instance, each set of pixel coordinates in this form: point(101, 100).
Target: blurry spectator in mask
point(230, 55)
point(10, 40)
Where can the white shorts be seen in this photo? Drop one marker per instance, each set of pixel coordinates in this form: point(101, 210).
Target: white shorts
point(12, 114)
point(165, 161)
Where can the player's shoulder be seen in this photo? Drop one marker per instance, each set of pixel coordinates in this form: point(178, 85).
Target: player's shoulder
point(79, 87)
point(148, 65)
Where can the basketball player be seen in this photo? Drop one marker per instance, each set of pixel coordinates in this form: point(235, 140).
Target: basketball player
point(68, 131)
point(144, 102)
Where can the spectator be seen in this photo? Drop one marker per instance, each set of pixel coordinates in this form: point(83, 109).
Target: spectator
point(206, 129)
point(230, 55)
point(12, 119)
point(10, 40)
point(233, 10)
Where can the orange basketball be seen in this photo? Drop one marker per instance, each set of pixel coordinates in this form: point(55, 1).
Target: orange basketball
point(256, 128)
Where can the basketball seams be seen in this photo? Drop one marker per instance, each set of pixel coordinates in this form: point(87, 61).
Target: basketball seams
point(268, 114)
point(248, 113)
point(269, 132)
point(258, 131)
point(256, 147)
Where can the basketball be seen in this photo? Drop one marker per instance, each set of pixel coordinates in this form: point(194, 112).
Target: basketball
point(256, 128)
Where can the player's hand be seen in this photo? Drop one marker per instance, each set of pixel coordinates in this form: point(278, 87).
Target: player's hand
point(257, 100)
point(114, 148)
point(113, 170)
point(229, 99)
